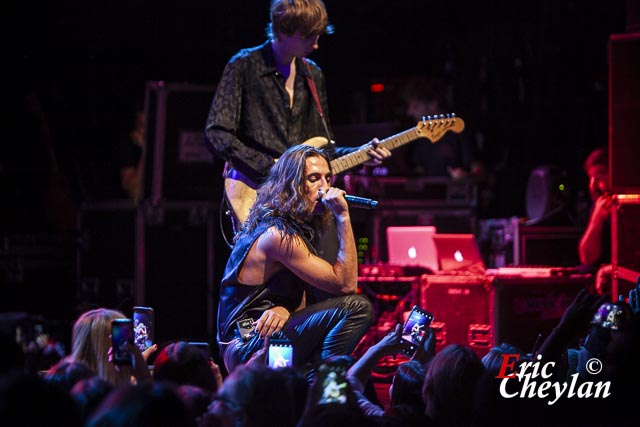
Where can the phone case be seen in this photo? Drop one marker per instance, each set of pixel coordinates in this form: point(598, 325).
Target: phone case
point(415, 328)
point(143, 327)
point(121, 333)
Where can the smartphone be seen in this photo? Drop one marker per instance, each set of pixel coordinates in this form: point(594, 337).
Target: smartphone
point(280, 354)
point(143, 327)
point(204, 347)
point(331, 385)
point(121, 333)
point(415, 328)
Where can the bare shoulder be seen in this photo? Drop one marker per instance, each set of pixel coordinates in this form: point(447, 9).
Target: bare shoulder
point(275, 243)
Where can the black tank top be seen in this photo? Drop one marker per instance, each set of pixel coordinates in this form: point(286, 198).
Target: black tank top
point(238, 301)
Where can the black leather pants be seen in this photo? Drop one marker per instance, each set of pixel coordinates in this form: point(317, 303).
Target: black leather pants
point(329, 328)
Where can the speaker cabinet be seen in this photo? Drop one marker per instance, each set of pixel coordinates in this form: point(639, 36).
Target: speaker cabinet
point(624, 111)
point(548, 246)
point(526, 309)
point(161, 256)
point(625, 243)
point(177, 165)
point(461, 310)
point(106, 255)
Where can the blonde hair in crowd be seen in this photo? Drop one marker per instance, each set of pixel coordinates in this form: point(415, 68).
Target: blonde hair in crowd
point(90, 344)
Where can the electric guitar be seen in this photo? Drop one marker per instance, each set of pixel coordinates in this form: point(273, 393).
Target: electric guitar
point(241, 192)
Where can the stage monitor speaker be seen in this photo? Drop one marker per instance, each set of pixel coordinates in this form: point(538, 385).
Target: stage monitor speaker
point(624, 111)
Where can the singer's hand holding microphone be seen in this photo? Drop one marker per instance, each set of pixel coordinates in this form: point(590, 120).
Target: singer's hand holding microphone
point(352, 201)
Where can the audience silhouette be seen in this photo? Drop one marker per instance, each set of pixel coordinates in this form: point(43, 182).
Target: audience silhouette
point(451, 387)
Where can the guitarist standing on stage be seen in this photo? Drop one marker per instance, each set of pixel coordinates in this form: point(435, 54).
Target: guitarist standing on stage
point(270, 98)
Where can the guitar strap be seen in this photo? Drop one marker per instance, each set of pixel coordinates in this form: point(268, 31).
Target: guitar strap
point(314, 92)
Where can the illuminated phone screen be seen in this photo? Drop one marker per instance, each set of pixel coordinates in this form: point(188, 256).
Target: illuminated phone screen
point(280, 356)
point(143, 327)
point(416, 327)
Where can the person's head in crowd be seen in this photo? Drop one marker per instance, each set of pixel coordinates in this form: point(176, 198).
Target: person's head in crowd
point(196, 399)
point(183, 363)
point(490, 408)
point(450, 383)
point(90, 343)
point(88, 393)
point(335, 415)
point(67, 373)
point(406, 388)
point(596, 166)
point(145, 405)
point(26, 399)
point(304, 18)
point(259, 396)
point(493, 359)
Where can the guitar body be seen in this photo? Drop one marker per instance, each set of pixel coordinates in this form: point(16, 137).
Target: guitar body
point(241, 192)
point(241, 196)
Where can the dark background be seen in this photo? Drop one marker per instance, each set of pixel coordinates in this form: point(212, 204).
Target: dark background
point(529, 78)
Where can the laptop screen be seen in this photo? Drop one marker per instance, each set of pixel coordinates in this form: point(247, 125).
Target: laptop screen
point(412, 246)
point(458, 252)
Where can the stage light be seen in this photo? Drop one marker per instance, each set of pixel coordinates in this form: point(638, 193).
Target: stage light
point(377, 88)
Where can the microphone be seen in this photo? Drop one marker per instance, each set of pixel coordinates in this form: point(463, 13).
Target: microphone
point(361, 202)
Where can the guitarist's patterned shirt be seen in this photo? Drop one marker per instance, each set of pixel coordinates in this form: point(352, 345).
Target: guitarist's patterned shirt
point(250, 123)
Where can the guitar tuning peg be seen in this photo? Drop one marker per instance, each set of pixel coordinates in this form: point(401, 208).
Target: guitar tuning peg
point(453, 115)
point(448, 116)
point(423, 119)
point(442, 116)
point(429, 118)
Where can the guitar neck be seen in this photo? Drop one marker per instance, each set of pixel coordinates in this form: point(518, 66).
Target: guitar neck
point(361, 155)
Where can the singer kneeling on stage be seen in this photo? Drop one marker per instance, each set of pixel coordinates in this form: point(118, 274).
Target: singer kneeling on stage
point(274, 265)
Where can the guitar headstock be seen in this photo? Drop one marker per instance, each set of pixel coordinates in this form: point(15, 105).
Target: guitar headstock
point(435, 127)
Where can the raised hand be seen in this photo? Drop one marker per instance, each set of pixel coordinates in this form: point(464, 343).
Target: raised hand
point(580, 312)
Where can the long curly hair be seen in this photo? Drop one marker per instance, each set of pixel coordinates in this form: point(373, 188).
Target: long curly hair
point(281, 198)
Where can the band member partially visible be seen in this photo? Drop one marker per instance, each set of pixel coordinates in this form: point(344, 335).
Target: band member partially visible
point(273, 265)
point(265, 101)
point(595, 244)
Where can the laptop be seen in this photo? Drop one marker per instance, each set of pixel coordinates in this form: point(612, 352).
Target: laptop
point(412, 246)
point(459, 252)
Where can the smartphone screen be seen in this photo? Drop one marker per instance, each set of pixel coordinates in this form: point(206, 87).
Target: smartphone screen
point(415, 328)
point(331, 383)
point(280, 354)
point(143, 327)
point(121, 332)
